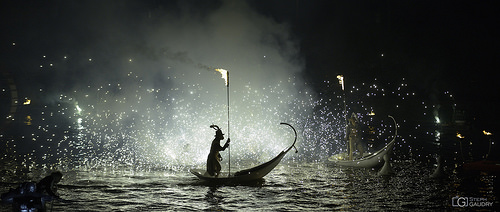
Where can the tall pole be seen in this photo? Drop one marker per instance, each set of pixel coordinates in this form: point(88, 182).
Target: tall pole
point(349, 145)
point(228, 134)
point(225, 76)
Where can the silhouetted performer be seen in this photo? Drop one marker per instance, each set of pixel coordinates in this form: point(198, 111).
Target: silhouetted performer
point(354, 137)
point(47, 184)
point(31, 196)
point(214, 158)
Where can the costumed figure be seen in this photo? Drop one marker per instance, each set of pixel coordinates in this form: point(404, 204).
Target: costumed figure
point(214, 158)
point(31, 196)
point(47, 184)
point(353, 137)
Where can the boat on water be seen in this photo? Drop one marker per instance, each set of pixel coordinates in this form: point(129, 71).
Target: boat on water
point(246, 175)
point(370, 160)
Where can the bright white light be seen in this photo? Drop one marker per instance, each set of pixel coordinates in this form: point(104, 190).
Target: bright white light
point(224, 74)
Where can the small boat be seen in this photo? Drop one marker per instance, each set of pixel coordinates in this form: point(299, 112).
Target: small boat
point(371, 160)
point(246, 175)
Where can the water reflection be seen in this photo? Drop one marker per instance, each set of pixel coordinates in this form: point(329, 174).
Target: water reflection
point(214, 198)
point(477, 185)
point(291, 186)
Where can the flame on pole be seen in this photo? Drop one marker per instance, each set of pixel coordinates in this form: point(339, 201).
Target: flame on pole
point(225, 75)
point(487, 133)
point(341, 80)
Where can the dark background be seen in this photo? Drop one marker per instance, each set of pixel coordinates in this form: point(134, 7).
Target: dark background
point(438, 46)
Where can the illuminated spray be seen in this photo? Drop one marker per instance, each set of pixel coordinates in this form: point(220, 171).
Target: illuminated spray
point(160, 126)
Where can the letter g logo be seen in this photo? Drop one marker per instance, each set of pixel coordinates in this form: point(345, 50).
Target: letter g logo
point(462, 202)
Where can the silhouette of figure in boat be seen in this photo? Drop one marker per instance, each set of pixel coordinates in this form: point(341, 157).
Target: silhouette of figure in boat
point(214, 158)
point(354, 138)
point(31, 196)
point(47, 184)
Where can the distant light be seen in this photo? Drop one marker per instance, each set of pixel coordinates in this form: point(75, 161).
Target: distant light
point(90, 59)
point(27, 102)
point(437, 120)
point(460, 135)
point(487, 133)
point(28, 120)
point(382, 54)
point(130, 60)
point(13, 43)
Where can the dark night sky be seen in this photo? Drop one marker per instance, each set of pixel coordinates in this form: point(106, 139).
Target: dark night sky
point(438, 45)
point(452, 44)
point(425, 40)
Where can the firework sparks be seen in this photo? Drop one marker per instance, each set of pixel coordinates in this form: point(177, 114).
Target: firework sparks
point(127, 121)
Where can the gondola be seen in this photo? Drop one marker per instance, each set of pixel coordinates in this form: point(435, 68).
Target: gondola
point(371, 160)
point(246, 175)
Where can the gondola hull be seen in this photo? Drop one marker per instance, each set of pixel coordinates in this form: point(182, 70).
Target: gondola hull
point(246, 175)
point(369, 161)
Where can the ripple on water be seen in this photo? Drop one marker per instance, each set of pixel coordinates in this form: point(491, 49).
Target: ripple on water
point(290, 187)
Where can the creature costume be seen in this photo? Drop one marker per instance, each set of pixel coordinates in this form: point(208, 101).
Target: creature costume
point(214, 158)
